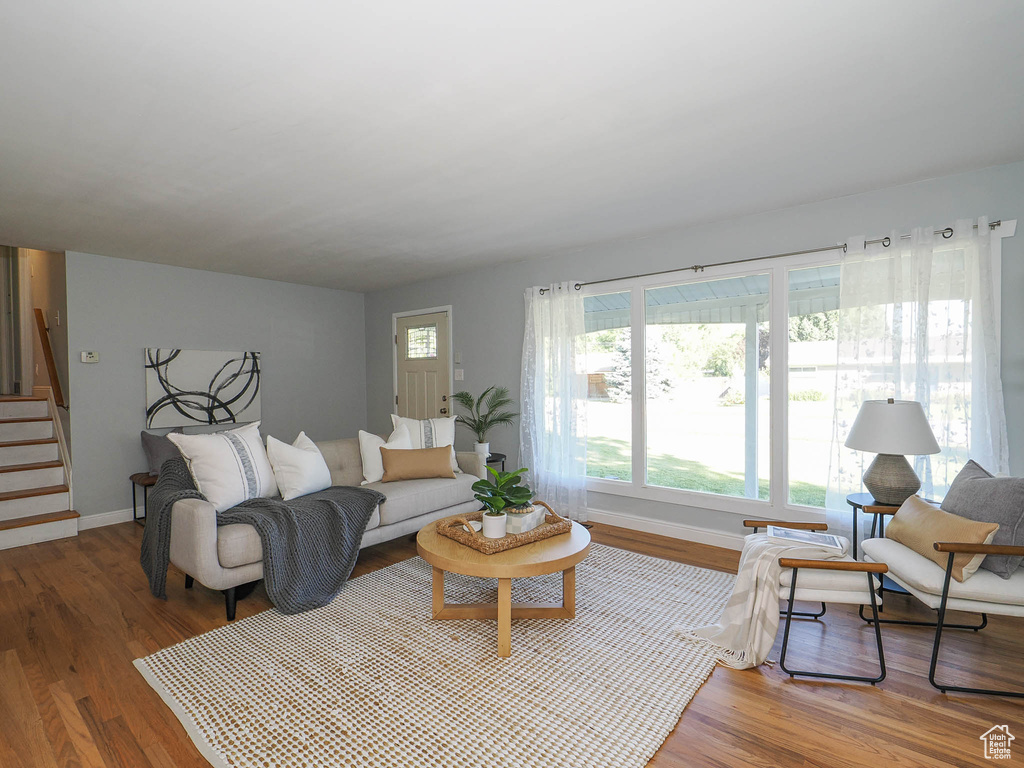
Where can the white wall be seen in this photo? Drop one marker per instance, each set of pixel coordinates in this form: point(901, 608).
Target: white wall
point(488, 303)
point(311, 339)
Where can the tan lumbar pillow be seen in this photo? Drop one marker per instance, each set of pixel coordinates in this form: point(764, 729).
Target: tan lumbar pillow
point(417, 463)
point(918, 525)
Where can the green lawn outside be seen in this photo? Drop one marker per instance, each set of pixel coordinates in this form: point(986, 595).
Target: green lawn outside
point(610, 458)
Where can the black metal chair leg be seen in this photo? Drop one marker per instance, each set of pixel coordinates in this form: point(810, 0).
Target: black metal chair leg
point(938, 638)
point(135, 510)
point(806, 614)
point(824, 675)
point(189, 581)
point(230, 602)
point(911, 623)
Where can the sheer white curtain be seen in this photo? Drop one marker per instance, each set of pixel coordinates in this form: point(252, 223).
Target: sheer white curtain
point(917, 321)
point(552, 428)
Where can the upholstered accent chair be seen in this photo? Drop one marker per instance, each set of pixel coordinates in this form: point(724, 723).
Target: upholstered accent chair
point(845, 581)
point(983, 593)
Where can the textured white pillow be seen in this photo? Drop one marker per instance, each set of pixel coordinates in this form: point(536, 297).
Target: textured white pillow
point(228, 467)
point(430, 433)
point(369, 451)
point(299, 468)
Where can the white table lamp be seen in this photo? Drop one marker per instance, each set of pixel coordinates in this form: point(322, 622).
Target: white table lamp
point(893, 429)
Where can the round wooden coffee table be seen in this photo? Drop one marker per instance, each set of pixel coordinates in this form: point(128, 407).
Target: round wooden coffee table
point(559, 553)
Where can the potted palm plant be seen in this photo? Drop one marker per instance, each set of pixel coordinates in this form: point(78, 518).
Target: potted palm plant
point(489, 410)
point(507, 504)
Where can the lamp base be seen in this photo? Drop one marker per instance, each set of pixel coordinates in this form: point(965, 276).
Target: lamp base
point(891, 480)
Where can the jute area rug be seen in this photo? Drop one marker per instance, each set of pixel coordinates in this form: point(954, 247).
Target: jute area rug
point(371, 680)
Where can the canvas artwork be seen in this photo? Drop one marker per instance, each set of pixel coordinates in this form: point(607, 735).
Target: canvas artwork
point(187, 387)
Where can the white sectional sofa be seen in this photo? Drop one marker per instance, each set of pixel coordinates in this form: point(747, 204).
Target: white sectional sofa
point(227, 556)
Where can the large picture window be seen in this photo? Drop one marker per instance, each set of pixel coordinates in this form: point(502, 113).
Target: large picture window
point(718, 392)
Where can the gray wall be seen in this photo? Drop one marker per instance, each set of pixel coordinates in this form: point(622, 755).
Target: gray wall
point(312, 341)
point(488, 308)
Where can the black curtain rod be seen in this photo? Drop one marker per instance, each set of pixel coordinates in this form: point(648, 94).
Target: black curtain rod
point(885, 241)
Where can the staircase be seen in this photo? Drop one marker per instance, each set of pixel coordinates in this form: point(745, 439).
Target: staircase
point(35, 500)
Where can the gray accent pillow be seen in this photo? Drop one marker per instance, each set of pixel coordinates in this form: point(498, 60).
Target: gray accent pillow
point(158, 449)
point(977, 495)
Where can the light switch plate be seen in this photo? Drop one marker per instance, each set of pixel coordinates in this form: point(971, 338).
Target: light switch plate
point(90, 357)
point(459, 374)
point(458, 358)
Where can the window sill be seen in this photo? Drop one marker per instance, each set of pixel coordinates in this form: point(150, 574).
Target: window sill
point(729, 504)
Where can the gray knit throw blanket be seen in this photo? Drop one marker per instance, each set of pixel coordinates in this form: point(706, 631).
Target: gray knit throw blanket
point(310, 544)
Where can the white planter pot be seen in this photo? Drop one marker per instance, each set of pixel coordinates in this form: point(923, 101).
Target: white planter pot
point(482, 448)
point(521, 522)
point(494, 526)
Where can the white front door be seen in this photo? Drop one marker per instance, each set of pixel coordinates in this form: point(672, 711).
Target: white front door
point(423, 367)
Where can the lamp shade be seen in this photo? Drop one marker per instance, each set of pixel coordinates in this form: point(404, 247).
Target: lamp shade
point(892, 426)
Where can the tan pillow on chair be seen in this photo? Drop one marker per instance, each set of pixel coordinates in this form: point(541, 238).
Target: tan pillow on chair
point(918, 525)
point(416, 463)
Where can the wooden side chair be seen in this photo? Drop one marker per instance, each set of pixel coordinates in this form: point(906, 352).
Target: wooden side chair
point(826, 581)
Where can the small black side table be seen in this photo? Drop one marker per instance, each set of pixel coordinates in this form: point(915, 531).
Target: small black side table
point(497, 458)
point(145, 481)
point(865, 502)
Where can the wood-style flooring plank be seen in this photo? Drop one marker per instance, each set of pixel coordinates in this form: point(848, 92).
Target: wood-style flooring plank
point(74, 613)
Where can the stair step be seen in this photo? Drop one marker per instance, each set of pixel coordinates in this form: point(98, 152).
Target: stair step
point(28, 451)
point(21, 399)
point(25, 419)
point(30, 492)
point(49, 517)
point(34, 501)
point(31, 529)
point(33, 441)
point(29, 467)
point(20, 409)
point(26, 429)
point(19, 477)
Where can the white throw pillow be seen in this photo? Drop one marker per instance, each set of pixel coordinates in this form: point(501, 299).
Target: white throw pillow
point(299, 468)
point(369, 451)
point(430, 433)
point(228, 467)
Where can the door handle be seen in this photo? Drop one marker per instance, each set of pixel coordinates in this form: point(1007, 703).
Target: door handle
point(444, 410)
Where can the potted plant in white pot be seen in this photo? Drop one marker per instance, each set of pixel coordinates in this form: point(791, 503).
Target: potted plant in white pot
point(507, 504)
point(496, 401)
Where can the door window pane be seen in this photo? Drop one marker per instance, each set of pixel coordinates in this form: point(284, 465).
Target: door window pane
point(706, 368)
point(813, 319)
point(610, 385)
point(421, 343)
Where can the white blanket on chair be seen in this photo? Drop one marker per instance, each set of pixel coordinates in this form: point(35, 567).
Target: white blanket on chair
point(745, 632)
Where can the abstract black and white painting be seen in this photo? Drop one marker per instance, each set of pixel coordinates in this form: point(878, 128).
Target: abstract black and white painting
point(186, 387)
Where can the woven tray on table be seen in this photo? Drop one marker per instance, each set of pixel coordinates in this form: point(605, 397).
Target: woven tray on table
point(455, 528)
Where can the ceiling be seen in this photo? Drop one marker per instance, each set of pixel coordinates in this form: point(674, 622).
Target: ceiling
point(364, 145)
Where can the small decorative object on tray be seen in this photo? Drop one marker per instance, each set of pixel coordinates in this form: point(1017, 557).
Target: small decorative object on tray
point(455, 528)
point(507, 503)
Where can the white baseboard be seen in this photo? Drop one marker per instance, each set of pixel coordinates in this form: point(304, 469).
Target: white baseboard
point(104, 518)
point(664, 528)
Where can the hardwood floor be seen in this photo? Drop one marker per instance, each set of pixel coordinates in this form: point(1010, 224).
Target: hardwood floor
point(74, 614)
